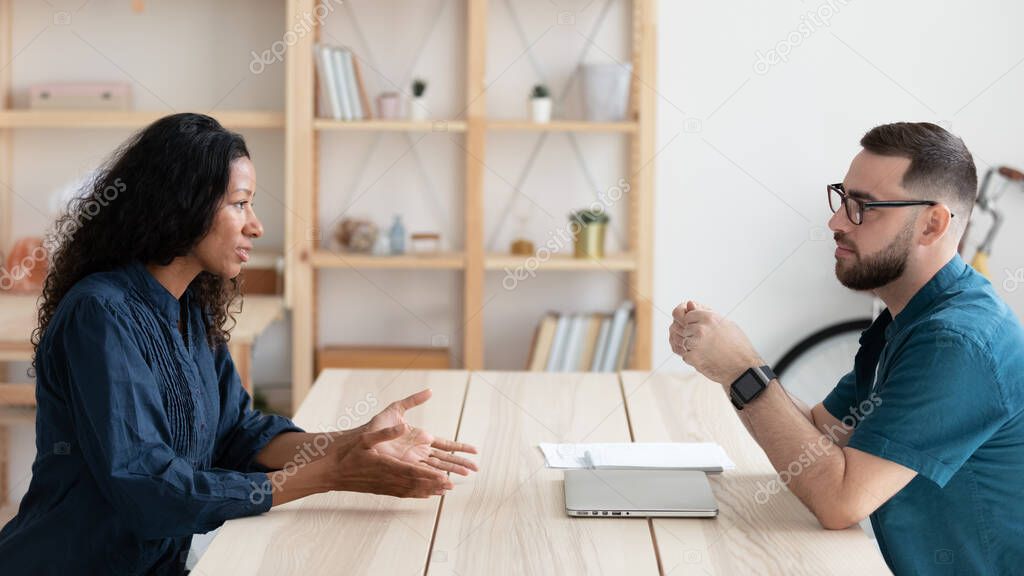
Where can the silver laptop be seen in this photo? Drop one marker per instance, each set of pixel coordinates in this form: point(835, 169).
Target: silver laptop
point(639, 493)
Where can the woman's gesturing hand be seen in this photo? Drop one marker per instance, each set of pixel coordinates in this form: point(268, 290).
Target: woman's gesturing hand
point(415, 445)
point(359, 463)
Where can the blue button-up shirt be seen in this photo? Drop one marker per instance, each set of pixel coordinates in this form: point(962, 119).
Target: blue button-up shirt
point(940, 389)
point(143, 437)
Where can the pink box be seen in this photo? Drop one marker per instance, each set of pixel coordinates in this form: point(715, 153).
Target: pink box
point(80, 96)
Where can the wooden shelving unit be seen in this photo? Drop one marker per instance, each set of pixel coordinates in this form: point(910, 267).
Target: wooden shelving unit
point(301, 142)
point(302, 130)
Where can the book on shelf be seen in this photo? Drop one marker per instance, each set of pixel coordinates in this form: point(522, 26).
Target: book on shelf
point(554, 362)
point(542, 344)
point(593, 328)
point(364, 100)
point(342, 93)
point(330, 107)
point(337, 60)
point(602, 342)
point(594, 342)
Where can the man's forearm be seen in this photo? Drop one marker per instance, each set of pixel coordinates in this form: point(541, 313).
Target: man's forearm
point(797, 403)
point(812, 465)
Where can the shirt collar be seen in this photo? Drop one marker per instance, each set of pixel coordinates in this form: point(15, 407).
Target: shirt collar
point(162, 301)
point(878, 327)
point(922, 301)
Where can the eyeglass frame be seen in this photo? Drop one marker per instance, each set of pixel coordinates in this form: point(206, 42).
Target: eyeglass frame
point(844, 196)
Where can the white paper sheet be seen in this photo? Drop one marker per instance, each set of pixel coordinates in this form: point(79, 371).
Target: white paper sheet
point(705, 456)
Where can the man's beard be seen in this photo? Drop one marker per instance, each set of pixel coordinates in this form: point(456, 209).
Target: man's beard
point(879, 269)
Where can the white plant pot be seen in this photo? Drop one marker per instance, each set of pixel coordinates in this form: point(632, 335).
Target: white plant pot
point(417, 110)
point(540, 110)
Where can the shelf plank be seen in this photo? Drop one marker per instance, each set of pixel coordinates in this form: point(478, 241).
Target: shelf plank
point(325, 124)
point(438, 261)
point(611, 262)
point(128, 118)
point(561, 126)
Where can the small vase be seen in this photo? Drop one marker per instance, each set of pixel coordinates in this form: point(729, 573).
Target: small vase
point(396, 236)
point(540, 110)
point(387, 106)
point(589, 240)
point(417, 111)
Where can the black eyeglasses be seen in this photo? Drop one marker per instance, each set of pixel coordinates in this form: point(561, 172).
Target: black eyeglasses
point(855, 207)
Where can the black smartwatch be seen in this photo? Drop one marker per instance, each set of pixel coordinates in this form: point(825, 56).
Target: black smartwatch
point(750, 385)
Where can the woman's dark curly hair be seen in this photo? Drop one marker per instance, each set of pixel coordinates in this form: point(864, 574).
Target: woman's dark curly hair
point(152, 201)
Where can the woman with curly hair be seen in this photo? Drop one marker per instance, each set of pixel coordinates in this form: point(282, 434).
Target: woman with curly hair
point(144, 434)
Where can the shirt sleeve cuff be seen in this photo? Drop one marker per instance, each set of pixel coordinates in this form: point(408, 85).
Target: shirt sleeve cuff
point(925, 465)
point(836, 406)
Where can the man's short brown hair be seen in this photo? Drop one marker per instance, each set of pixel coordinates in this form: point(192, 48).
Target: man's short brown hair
point(941, 167)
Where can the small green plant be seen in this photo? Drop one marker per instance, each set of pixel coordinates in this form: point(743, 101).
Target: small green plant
point(540, 91)
point(419, 86)
point(585, 217)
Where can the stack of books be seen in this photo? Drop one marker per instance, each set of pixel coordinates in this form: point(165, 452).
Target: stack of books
point(342, 94)
point(596, 342)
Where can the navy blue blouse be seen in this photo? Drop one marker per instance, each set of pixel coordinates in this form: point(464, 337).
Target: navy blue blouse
point(143, 437)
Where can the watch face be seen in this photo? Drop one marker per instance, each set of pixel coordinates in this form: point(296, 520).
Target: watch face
point(747, 386)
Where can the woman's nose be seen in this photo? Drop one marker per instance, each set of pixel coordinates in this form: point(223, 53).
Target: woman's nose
point(254, 228)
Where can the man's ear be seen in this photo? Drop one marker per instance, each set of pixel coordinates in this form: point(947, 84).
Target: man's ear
point(936, 225)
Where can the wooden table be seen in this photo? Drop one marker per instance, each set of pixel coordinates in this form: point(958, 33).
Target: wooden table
point(509, 518)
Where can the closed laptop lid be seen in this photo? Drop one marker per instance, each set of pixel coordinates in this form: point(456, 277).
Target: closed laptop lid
point(640, 492)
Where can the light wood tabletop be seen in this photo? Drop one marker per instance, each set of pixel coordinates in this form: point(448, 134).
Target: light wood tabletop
point(509, 518)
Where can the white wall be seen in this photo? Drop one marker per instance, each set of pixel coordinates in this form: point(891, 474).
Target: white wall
point(745, 155)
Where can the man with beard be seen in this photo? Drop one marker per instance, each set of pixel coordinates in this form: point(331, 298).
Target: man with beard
point(926, 434)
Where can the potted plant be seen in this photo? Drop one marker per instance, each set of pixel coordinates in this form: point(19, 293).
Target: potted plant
point(588, 232)
point(540, 104)
point(417, 111)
